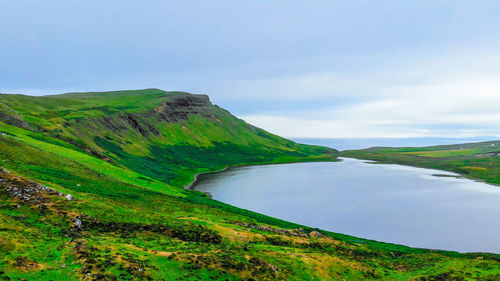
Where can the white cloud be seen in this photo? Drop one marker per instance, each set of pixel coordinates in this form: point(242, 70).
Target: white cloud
point(294, 127)
point(457, 98)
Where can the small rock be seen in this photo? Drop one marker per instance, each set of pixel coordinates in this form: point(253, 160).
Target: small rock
point(69, 197)
point(315, 234)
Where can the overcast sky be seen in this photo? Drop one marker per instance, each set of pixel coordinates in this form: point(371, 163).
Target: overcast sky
point(297, 68)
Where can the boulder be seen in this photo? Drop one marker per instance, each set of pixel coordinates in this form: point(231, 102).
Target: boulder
point(315, 234)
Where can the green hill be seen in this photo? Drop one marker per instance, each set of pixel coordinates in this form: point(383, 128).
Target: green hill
point(164, 136)
point(479, 160)
point(92, 188)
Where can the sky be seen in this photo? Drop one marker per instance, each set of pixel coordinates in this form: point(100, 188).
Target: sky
point(318, 69)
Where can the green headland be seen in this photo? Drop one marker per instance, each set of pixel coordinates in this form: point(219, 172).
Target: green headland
point(92, 188)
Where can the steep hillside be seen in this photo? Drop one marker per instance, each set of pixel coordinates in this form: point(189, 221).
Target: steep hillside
point(163, 135)
point(92, 188)
point(479, 160)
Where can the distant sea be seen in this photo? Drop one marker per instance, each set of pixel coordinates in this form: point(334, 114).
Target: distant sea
point(348, 143)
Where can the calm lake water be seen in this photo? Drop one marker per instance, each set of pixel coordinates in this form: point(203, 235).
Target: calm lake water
point(390, 203)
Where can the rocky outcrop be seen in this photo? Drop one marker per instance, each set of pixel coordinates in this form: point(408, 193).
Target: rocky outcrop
point(27, 191)
point(179, 108)
point(174, 109)
point(315, 234)
point(13, 120)
point(299, 232)
point(188, 100)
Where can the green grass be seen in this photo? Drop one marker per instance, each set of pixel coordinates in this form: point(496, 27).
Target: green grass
point(126, 157)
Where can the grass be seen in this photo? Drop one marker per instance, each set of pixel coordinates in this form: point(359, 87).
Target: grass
point(125, 156)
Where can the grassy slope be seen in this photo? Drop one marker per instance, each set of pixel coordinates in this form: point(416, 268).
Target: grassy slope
point(126, 159)
point(162, 135)
point(479, 161)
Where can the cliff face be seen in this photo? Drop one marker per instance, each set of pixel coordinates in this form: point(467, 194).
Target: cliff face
point(176, 109)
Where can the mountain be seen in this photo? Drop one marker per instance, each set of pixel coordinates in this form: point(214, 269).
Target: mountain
point(478, 160)
point(91, 187)
point(163, 135)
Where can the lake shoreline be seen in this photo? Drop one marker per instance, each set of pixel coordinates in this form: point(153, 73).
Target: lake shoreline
point(459, 175)
point(193, 183)
point(254, 193)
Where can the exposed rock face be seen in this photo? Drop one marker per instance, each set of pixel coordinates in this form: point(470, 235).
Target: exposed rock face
point(188, 100)
point(174, 109)
point(180, 107)
point(299, 232)
point(13, 120)
point(315, 234)
point(25, 190)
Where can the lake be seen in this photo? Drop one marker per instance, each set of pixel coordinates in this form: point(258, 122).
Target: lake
point(389, 203)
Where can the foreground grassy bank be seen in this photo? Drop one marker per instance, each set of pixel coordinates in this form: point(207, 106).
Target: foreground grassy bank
point(94, 191)
point(480, 161)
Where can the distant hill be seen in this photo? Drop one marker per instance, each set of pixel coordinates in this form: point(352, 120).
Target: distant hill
point(364, 143)
point(479, 160)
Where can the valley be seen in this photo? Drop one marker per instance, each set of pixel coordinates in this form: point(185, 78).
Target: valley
point(124, 157)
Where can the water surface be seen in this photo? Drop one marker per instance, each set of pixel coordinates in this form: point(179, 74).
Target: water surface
point(390, 203)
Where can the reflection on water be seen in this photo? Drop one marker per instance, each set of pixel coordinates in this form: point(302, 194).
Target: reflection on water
point(389, 203)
